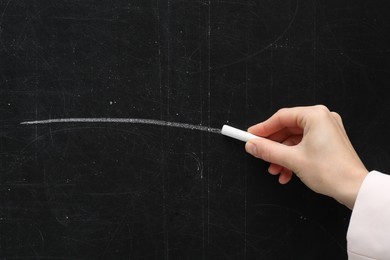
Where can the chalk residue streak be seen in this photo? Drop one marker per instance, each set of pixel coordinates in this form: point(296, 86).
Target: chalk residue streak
point(125, 121)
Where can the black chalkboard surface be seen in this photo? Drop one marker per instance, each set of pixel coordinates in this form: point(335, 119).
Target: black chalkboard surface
point(132, 189)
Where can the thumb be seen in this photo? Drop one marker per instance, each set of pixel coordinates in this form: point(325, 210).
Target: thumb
point(272, 152)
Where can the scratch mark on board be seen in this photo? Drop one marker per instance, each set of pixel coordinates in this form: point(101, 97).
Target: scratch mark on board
point(250, 56)
point(2, 17)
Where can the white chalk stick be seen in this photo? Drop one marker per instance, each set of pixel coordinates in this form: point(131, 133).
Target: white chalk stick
point(237, 133)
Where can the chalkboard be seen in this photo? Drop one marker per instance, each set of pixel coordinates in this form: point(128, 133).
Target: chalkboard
point(129, 164)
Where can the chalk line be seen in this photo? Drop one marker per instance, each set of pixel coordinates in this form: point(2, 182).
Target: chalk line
point(125, 121)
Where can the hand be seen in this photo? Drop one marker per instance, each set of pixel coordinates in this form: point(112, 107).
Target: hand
point(312, 143)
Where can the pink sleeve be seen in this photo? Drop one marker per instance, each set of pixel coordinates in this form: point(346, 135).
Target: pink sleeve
point(368, 234)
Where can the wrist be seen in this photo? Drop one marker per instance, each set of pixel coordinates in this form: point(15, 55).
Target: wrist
point(351, 188)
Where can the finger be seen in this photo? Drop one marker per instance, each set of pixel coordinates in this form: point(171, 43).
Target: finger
point(285, 176)
point(286, 117)
point(285, 133)
point(275, 169)
point(289, 117)
point(272, 152)
point(293, 140)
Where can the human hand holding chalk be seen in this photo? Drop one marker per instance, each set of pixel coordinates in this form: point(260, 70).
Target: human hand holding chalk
point(237, 133)
point(312, 143)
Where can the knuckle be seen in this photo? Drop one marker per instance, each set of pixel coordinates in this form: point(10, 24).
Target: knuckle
point(322, 109)
point(282, 110)
point(319, 111)
point(337, 116)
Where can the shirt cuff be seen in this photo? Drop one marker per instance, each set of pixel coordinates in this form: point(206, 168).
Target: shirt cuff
point(369, 228)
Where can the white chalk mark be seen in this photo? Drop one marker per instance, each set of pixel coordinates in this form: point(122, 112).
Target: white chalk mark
point(124, 121)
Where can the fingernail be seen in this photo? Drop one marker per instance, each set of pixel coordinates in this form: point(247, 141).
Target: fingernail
point(250, 148)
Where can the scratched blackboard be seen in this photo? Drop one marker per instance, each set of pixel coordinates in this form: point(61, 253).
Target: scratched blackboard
point(128, 163)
